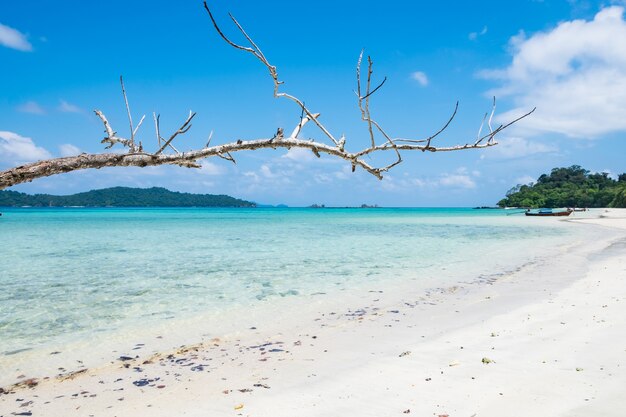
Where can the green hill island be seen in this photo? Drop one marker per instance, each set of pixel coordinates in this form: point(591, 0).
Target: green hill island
point(122, 197)
point(569, 187)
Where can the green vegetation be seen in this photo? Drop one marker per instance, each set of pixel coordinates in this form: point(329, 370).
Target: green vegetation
point(122, 197)
point(569, 187)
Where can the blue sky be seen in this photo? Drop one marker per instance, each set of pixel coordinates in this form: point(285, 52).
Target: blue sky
point(61, 60)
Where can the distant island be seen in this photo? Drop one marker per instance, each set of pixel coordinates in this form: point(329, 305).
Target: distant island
point(569, 187)
point(122, 197)
point(361, 206)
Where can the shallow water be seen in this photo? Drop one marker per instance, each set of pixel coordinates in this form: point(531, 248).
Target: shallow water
point(69, 275)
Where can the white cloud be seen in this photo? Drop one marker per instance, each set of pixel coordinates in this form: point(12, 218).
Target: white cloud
point(16, 149)
point(516, 147)
point(525, 179)
point(14, 39)
point(575, 74)
point(321, 178)
point(253, 176)
point(456, 181)
point(610, 173)
point(266, 171)
point(209, 168)
point(461, 178)
point(66, 107)
point(67, 149)
point(269, 177)
point(299, 155)
point(419, 183)
point(344, 173)
point(328, 176)
point(474, 35)
point(420, 77)
point(31, 107)
point(300, 158)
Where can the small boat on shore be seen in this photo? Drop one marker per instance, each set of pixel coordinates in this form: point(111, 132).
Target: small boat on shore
point(548, 212)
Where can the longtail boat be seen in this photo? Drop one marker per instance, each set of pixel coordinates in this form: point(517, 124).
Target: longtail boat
point(548, 212)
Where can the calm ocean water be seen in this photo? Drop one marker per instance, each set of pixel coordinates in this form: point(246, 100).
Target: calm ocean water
point(79, 274)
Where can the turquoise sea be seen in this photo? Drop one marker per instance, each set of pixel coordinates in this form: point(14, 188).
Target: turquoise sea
point(76, 276)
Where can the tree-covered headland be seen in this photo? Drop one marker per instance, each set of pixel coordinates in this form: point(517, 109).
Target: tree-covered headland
point(569, 187)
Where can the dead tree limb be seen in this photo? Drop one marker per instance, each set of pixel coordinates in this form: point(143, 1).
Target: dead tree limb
point(136, 156)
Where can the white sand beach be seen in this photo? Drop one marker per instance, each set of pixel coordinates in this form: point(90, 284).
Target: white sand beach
point(546, 340)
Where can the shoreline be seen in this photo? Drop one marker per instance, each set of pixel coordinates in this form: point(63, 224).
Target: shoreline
point(380, 358)
point(195, 313)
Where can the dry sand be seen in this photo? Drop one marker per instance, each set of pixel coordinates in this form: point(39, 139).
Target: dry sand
point(547, 340)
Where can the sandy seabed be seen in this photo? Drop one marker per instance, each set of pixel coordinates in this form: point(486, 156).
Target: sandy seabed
point(546, 340)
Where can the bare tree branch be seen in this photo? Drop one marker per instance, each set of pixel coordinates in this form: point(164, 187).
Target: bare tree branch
point(157, 128)
point(137, 128)
point(111, 137)
point(480, 129)
point(181, 131)
point(133, 131)
point(208, 142)
point(365, 108)
point(272, 69)
point(303, 120)
point(137, 157)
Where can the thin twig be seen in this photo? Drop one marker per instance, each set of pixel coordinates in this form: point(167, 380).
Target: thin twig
point(130, 117)
point(430, 138)
point(182, 130)
point(156, 127)
point(374, 90)
point(480, 129)
point(138, 126)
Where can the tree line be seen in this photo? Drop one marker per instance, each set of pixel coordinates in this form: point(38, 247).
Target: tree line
point(569, 187)
point(122, 197)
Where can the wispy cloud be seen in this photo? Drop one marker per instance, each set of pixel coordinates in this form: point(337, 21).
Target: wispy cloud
point(610, 173)
point(517, 147)
point(66, 107)
point(15, 149)
point(575, 74)
point(474, 35)
point(525, 179)
point(211, 169)
point(31, 107)
point(67, 149)
point(461, 179)
point(420, 77)
point(299, 155)
point(457, 180)
point(14, 39)
point(300, 158)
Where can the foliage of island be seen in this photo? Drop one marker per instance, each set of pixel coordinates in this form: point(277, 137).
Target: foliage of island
point(122, 197)
point(569, 187)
